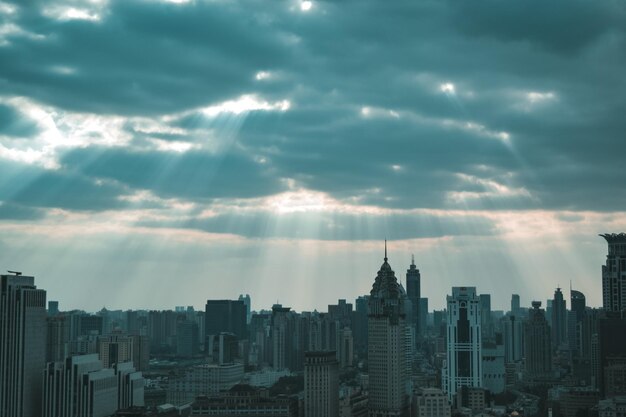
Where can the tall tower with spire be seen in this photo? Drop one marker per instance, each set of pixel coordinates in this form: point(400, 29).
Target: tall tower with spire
point(386, 346)
point(413, 292)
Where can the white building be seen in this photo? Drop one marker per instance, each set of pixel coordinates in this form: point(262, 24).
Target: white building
point(432, 402)
point(22, 345)
point(80, 387)
point(203, 380)
point(463, 359)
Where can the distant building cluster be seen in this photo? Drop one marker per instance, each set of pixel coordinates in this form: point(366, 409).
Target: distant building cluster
point(386, 355)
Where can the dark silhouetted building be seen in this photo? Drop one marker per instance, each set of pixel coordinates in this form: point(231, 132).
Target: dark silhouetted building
point(537, 343)
point(614, 273)
point(227, 316)
point(414, 293)
point(559, 319)
point(22, 345)
point(386, 346)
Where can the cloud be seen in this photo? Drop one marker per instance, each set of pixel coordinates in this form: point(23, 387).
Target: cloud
point(201, 101)
point(560, 26)
point(13, 123)
point(9, 211)
point(193, 175)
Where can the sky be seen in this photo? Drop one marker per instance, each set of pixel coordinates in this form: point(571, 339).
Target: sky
point(162, 153)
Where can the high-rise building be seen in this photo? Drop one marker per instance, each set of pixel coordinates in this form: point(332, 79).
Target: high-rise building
point(346, 348)
point(414, 293)
point(187, 338)
point(486, 325)
point(386, 346)
point(464, 356)
point(248, 303)
point(515, 304)
point(223, 348)
point(513, 338)
point(22, 345)
point(359, 324)
point(57, 338)
point(141, 352)
point(53, 308)
point(225, 316)
point(423, 316)
point(614, 273)
point(321, 384)
point(559, 319)
point(116, 348)
point(537, 342)
point(575, 322)
point(282, 335)
point(611, 347)
point(79, 386)
point(493, 369)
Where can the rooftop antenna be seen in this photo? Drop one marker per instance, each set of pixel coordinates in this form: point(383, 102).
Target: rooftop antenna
point(17, 273)
point(412, 259)
point(385, 250)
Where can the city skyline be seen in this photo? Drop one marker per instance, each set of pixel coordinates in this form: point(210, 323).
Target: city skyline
point(160, 153)
point(504, 305)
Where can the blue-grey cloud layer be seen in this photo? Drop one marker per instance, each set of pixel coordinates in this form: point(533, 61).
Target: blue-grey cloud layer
point(419, 148)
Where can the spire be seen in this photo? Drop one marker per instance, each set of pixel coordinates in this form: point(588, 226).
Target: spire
point(385, 250)
point(412, 259)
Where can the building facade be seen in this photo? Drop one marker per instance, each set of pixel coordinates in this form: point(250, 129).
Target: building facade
point(414, 293)
point(22, 345)
point(321, 384)
point(614, 273)
point(386, 346)
point(537, 343)
point(464, 341)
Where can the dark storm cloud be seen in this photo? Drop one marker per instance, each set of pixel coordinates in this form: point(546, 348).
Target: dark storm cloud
point(145, 57)
point(192, 175)
point(336, 226)
point(9, 211)
point(559, 26)
point(29, 187)
point(566, 142)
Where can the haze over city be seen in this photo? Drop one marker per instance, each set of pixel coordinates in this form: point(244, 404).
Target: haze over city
point(159, 153)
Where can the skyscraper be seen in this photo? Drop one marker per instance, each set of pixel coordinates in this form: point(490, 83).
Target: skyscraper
point(614, 273)
point(485, 316)
point(559, 319)
point(575, 322)
point(248, 303)
point(414, 293)
point(321, 384)
point(22, 345)
point(463, 359)
point(225, 316)
point(513, 338)
point(386, 346)
point(515, 304)
point(537, 342)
